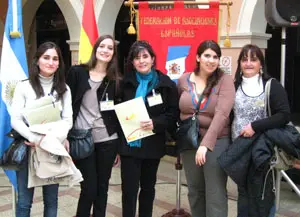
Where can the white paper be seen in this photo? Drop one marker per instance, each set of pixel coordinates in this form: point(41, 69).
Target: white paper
point(130, 113)
point(42, 111)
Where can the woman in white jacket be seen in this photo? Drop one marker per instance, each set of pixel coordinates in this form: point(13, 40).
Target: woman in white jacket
point(46, 77)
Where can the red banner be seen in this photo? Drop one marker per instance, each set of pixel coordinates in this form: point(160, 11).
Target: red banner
point(176, 33)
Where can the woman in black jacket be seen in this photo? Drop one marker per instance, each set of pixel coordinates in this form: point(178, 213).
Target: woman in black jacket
point(140, 159)
point(93, 85)
point(250, 115)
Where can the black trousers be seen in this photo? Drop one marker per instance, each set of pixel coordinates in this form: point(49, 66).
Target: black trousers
point(137, 173)
point(96, 171)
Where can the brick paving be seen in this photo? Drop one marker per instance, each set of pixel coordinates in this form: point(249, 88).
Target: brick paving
point(165, 196)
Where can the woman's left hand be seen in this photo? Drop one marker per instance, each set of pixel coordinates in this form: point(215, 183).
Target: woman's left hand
point(247, 131)
point(117, 161)
point(147, 125)
point(67, 145)
point(200, 157)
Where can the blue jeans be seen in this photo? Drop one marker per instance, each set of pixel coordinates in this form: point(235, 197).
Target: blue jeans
point(25, 196)
point(272, 211)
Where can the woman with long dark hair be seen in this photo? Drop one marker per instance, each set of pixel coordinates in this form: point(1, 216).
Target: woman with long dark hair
point(250, 114)
point(46, 77)
point(140, 159)
point(92, 84)
point(215, 90)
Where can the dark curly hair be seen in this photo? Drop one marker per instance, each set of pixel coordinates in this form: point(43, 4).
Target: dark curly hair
point(134, 51)
point(216, 75)
point(254, 51)
point(59, 84)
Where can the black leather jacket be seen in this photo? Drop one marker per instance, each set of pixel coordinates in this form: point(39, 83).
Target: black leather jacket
point(247, 162)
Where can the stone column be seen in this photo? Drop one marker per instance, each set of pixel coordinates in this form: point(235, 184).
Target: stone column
point(238, 40)
point(74, 48)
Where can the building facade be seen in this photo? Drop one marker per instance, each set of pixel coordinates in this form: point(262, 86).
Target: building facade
point(60, 21)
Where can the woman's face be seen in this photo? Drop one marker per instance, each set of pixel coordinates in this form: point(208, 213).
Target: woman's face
point(250, 65)
point(209, 61)
point(143, 62)
point(48, 63)
point(105, 51)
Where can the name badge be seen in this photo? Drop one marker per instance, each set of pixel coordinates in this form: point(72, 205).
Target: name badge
point(260, 103)
point(155, 99)
point(107, 105)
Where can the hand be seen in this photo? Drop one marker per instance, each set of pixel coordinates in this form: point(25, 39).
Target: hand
point(67, 145)
point(146, 125)
point(296, 164)
point(117, 161)
point(200, 157)
point(33, 145)
point(247, 131)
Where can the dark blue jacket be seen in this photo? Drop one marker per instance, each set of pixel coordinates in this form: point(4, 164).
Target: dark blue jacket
point(247, 162)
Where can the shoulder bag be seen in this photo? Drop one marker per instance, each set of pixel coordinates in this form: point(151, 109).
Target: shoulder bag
point(14, 157)
point(188, 131)
point(281, 160)
point(81, 140)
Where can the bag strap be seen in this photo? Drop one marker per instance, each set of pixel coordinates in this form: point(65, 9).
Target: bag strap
point(267, 97)
point(198, 104)
point(104, 92)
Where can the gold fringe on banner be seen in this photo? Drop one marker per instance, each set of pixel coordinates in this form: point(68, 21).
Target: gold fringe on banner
point(203, 2)
point(131, 30)
point(227, 42)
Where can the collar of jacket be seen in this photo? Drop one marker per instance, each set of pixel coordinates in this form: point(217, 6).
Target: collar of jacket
point(83, 77)
point(163, 80)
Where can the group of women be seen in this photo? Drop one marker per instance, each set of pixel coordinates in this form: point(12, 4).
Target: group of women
point(83, 91)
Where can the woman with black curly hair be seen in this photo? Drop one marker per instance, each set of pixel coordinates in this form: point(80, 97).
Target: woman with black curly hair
point(140, 159)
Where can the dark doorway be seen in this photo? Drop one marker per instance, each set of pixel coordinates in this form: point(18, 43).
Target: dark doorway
point(125, 40)
point(51, 26)
point(292, 66)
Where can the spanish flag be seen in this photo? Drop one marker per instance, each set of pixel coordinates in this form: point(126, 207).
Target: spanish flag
point(88, 32)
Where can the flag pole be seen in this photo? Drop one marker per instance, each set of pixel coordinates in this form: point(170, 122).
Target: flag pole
point(13, 68)
point(14, 200)
point(203, 2)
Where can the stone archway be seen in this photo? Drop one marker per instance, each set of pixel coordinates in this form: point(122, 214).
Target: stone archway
point(251, 17)
point(70, 10)
point(109, 10)
point(251, 26)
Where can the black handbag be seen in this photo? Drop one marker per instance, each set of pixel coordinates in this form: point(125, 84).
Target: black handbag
point(81, 140)
point(14, 157)
point(188, 132)
point(81, 143)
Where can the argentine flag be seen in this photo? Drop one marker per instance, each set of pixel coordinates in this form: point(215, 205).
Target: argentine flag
point(175, 64)
point(13, 68)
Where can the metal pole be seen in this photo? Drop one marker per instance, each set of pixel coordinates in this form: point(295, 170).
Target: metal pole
point(14, 201)
point(203, 2)
point(277, 195)
point(290, 182)
point(283, 48)
point(178, 189)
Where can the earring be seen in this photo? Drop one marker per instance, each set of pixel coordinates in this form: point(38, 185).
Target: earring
point(261, 71)
point(241, 73)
